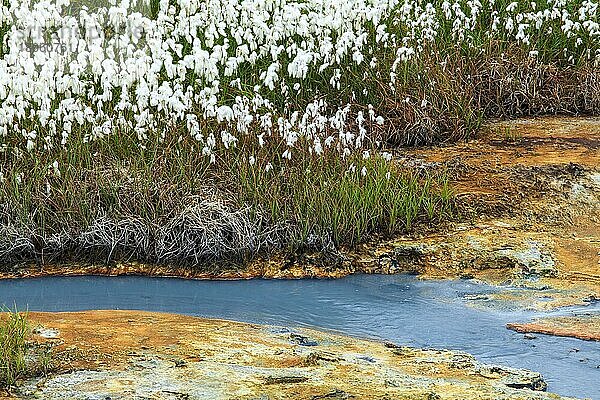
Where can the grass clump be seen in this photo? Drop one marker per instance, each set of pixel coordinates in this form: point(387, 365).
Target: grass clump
point(345, 201)
point(19, 358)
point(167, 204)
point(14, 331)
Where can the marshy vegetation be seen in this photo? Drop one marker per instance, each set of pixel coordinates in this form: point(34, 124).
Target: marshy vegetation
point(153, 205)
point(193, 131)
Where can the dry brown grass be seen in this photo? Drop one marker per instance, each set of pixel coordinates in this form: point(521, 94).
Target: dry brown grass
point(462, 91)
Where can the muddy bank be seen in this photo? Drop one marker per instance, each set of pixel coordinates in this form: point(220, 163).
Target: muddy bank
point(127, 354)
point(275, 267)
point(585, 327)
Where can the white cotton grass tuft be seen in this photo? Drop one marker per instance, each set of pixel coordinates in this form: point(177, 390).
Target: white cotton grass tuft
point(123, 67)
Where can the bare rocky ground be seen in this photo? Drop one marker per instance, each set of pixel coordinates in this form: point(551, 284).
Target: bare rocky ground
point(141, 355)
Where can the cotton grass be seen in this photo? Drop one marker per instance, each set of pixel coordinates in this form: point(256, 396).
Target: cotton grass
point(279, 71)
point(188, 131)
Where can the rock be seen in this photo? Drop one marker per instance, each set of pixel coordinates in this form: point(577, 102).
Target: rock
point(476, 297)
point(278, 380)
point(46, 333)
point(314, 358)
point(302, 340)
point(411, 251)
point(513, 377)
point(534, 259)
point(179, 363)
point(335, 394)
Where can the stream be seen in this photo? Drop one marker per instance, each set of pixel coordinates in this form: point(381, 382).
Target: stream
point(397, 308)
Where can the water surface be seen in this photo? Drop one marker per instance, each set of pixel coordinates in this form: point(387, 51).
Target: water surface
point(396, 308)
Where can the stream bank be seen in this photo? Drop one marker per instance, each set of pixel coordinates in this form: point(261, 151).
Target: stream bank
point(127, 355)
point(528, 194)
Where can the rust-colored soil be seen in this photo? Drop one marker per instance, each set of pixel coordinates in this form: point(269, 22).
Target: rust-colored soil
point(131, 354)
point(485, 163)
point(585, 327)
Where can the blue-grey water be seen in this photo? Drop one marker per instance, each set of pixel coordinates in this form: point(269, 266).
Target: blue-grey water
point(397, 308)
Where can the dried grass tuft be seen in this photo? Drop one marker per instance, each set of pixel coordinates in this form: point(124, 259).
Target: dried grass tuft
point(461, 91)
point(207, 231)
point(128, 238)
point(204, 232)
